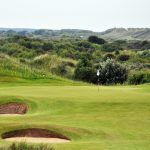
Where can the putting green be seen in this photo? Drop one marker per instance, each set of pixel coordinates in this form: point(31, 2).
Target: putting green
point(113, 118)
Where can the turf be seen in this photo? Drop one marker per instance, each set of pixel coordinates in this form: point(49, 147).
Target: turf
point(113, 118)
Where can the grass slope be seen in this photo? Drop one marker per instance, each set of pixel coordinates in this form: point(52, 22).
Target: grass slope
point(113, 118)
point(14, 72)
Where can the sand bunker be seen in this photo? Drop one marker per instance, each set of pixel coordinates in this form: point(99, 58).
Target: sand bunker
point(35, 135)
point(13, 108)
point(37, 140)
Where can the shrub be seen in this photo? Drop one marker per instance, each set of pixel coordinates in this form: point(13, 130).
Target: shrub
point(144, 54)
point(96, 40)
point(84, 70)
point(117, 52)
point(111, 47)
point(112, 73)
point(109, 56)
point(139, 78)
point(84, 44)
point(123, 57)
point(97, 54)
point(48, 46)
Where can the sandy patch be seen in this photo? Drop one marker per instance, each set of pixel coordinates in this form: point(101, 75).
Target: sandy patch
point(37, 140)
point(13, 108)
point(35, 135)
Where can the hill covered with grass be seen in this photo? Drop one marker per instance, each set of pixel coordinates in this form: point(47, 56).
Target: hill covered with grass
point(13, 71)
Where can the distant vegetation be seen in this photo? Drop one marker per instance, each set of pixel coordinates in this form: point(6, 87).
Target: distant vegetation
point(110, 34)
point(119, 61)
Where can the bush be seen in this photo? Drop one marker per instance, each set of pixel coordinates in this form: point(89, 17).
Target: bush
point(25, 146)
point(84, 70)
point(139, 78)
point(123, 57)
point(96, 40)
point(144, 54)
point(117, 52)
point(48, 46)
point(109, 56)
point(112, 73)
point(111, 47)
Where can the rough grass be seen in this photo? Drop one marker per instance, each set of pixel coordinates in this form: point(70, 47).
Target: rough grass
point(12, 71)
point(25, 146)
point(114, 118)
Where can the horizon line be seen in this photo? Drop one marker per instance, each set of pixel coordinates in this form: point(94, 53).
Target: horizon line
point(30, 28)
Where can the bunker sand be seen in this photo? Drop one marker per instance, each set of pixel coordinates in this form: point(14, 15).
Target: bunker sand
point(37, 140)
point(35, 135)
point(13, 108)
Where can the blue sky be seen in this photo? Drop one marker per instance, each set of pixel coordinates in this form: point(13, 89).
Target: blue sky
point(96, 15)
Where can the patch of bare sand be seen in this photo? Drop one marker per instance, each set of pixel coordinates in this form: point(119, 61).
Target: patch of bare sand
point(13, 108)
point(10, 115)
point(37, 140)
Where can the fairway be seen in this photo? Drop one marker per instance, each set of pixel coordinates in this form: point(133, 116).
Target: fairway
point(113, 118)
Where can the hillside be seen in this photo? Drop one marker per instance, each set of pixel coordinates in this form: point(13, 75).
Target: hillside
point(13, 71)
point(127, 34)
point(76, 59)
point(110, 34)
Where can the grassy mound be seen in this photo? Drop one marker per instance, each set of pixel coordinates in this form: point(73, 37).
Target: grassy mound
point(13, 71)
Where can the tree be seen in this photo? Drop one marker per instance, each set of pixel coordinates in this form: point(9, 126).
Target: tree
point(96, 40)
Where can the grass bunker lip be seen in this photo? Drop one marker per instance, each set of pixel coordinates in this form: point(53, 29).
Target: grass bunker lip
point(34, 133)
point(13, 108)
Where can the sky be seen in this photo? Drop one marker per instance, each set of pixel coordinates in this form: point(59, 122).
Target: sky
point(96, 15)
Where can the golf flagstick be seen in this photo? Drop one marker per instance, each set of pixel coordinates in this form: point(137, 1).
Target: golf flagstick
point(98, 73)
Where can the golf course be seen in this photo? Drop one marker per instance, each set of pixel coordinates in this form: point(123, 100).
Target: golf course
point(108, 118)
point(73, 93)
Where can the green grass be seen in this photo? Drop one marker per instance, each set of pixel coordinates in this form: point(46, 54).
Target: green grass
point(13, 72)
point(113, 118)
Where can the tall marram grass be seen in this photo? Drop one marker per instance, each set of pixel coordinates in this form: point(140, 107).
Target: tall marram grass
point(25, 146)
point(12, 67)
